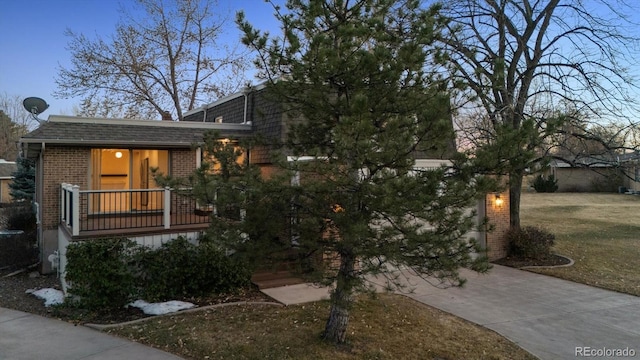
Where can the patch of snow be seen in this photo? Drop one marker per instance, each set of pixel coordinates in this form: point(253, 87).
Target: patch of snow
point(161, 308)
point(49, 295)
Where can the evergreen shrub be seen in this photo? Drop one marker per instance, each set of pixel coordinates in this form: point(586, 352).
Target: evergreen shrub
point(100, 274)
point(545, 185)
point(180, 269)
point(110, 273)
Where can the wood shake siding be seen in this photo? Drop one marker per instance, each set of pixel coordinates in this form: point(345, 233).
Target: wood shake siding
point(265, 115)
point(61, 165)
point(268, 123)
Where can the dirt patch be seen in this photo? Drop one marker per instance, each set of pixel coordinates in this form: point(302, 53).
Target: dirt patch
point(13, 295)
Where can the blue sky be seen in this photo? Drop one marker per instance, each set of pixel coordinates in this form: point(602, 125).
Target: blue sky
point(32, 40)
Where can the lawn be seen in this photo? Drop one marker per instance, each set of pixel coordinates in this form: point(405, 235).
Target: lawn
point(395, 327)
point(601, 232)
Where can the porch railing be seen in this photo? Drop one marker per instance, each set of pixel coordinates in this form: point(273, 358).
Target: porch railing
point(94, 210)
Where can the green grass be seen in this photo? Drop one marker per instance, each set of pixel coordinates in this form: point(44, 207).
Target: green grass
point(601, 232)
point(395, 327)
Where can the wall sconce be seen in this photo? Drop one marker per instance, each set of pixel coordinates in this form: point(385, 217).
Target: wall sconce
point(118, 154)
point(498, 201)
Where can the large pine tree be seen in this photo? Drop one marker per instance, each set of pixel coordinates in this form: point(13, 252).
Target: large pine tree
point(354, 73)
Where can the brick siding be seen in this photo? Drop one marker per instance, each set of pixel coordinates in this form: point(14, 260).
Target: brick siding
point(61, 165)
point(499, 221)
point(183, 162)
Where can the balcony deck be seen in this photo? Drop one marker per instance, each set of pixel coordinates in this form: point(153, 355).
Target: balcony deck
point(139, 224)
point(95, 213)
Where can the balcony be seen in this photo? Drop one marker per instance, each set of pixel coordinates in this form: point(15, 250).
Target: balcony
point(86, 213)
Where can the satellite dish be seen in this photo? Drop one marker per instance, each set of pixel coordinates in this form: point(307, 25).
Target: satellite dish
point(35, 105)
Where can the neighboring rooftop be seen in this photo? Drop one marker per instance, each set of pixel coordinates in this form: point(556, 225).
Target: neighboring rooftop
point(7, 168)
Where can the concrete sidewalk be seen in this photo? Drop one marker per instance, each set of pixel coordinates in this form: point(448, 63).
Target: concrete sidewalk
point(26, 336)
point(549, 317)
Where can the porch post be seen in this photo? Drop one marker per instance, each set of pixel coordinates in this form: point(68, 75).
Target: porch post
point(75, 216)
point(166, 211)
point(63, 207)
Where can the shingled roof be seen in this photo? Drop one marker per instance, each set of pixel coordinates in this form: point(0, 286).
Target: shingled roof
point(63, 130)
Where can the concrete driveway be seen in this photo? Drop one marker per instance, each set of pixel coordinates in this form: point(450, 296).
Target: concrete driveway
point(549, 317)
point(26, 336)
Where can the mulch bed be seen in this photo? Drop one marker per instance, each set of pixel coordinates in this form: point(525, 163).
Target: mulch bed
point(552, 260)
point(13, 296)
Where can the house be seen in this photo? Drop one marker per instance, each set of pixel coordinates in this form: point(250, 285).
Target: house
point(93, 176)
point(7, 168)
point(586, 174)
point(630, 166)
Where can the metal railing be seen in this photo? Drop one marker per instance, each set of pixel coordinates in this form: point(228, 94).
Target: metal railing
point(94, 210)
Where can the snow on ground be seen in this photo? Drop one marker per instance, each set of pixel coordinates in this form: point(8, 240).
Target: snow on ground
point(56, 297)
point(49, 295)
point(161, 308)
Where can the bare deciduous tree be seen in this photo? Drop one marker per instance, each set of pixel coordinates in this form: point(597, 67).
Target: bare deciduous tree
point(522, 59)
point(170, 59)
point(14, 122)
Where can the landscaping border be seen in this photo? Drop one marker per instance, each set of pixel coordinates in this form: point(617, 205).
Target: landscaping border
point(571, 262)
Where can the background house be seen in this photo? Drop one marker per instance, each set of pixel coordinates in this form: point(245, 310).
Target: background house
point(586, 174)
point(7, 168)
point(630, 165)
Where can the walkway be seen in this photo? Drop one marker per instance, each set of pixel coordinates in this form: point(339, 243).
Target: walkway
point(549, 317)
point(25, 337)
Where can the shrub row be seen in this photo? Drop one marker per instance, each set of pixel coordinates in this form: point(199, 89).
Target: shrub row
point(109, 273)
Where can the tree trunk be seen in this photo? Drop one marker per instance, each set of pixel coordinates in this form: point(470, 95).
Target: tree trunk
point(515, 190)
point(335, 330)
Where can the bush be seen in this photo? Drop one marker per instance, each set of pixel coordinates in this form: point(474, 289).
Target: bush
point(100, 273)
point(21, 216)
point(548, 185)
point(180, 269)
point(530, 242)
point(110, 273)
point(18, 250)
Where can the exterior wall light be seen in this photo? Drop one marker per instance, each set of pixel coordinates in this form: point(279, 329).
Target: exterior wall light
point(498, 201)
point(118, 154)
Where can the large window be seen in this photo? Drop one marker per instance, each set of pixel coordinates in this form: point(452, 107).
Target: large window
point(125, 176)
point(241, 159)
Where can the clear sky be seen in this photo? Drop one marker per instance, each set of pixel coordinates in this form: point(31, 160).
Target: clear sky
point(32, 40)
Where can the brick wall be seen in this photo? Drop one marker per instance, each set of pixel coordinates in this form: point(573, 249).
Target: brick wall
point(183, 162)
point(61, 164)
point(498, 217)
